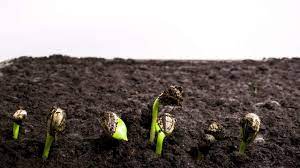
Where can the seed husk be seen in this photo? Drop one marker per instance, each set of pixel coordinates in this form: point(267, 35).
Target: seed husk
point(56, 121)
point(166, 123)
point(113, 126)
point(172, 96)
point(250, 125)
point(108, 121)
point(19, 116)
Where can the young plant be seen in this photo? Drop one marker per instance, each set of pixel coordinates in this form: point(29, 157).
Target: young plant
point(56, 123)
point(18, 118)
point(249, 128)
point(213, 133)
point(114, 126)
point(172, 96)
point(164, 127)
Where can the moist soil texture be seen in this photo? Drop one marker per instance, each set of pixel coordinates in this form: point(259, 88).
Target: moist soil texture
point(220, 91)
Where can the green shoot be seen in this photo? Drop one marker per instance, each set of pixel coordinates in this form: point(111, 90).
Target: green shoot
point(18, 118)
point(48, 143)
point(155, 109)
point(171, 96)
point(250, 125)
point(166, 124)
point(160, 139)
point(243, 146)
point(16, 128)
point(56, 123)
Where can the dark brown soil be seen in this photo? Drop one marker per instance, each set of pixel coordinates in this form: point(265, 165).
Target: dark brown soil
point(220, 91)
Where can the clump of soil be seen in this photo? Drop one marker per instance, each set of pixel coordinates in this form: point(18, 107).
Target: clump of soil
point(222, 91)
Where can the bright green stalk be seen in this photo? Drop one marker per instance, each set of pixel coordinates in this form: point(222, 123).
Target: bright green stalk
point(159, 143)
point(243, 146)
point(48, 143)
point(155, 108)
point(16, 128)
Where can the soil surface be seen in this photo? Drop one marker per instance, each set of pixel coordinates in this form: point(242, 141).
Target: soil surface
point(222, 91)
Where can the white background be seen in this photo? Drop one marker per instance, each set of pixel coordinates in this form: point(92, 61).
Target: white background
point(163, 29)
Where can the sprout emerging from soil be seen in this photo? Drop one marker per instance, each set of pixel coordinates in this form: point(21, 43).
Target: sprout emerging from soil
point(172, 96)
point(166, 125)
point(56, 123)
point(216, 129)
point(114, 126)
point(249, 128)
point(210, 138)
point(18, 118)
point(213, 133)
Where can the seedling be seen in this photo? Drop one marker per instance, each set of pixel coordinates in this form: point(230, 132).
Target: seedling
point(18, 118)
point(56, 123)
point(172, 96)
point(164, 127)
point(213, 133)
point(114, 126)
point(249, 128)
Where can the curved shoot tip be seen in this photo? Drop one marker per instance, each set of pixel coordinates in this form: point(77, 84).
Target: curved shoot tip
point(48, 143)
point(114, 126)
point(166, 122)
point(172, 96)
point(56, 121)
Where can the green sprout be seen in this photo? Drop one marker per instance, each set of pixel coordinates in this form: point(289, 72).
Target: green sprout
point(165, 126)
point(56, 123)
point(18, 118)
point(171, 96)
point(114, 126)
point(249, 128)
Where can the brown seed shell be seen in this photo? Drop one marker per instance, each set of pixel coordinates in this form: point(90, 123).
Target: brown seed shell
point(172, 96)
point(167, 123)
point(108, 121)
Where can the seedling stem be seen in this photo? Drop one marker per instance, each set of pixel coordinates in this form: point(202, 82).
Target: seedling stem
point(48, 143)
point(16, 128)
point(243, 146)
point(56, 123)
point(155, 108)
point(160, 140)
